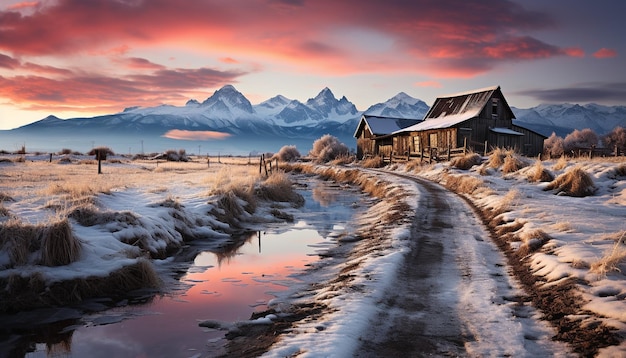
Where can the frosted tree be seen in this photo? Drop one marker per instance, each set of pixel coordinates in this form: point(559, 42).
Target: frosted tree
point(585, 138)
point(553, 146)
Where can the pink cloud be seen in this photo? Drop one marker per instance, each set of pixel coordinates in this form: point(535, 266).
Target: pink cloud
point(446, 38)
point(24, 5)
point(228, 60)
point(195, 135)
point(605, 53)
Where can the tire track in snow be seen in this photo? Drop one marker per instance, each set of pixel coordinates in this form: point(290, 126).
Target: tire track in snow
point(452, 296)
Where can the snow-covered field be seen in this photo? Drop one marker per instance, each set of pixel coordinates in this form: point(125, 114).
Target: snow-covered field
point(585, 236)
point(585, 241)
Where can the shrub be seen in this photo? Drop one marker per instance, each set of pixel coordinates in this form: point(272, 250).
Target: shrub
point(467, 161)
point(101, 153)
point(288, 153)
point(65, 151)
point(328, 148)
point(575, 182)
point(176, 156)
point(553, 146)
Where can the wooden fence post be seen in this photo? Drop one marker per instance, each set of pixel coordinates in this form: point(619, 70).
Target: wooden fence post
point(449, 149)
point(485, 154)
point(260, 164)
point(464, 145)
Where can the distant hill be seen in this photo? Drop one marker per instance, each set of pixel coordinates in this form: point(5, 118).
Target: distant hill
point(243, 127)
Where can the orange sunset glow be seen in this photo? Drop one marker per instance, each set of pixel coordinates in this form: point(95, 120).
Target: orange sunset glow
point(82, 58)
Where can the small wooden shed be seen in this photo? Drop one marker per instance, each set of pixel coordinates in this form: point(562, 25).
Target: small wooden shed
point(475, 119)
point(373, 133)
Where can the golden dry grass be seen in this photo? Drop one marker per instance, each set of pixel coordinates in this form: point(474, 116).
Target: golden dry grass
point(532, 241)
point(612, 259)
point(561, 163)
point(54, 242)
point(539, 173)
point(575, 182)
point(512, 163)
point(373, 162)
point(467, 161)
point(496, 158)
point(278, 187)
point(463, 184)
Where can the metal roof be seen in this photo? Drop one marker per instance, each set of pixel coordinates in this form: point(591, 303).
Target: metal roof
point(385, 125)
point(448, 111)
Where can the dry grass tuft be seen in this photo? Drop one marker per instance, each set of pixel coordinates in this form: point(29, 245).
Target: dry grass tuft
point(343, 160)
point(413, 166)
point(496, 159)
point(19, 240)
point(463, 184)
point(532, 241)
point(513, 163)
point(278, 187)
point(467, 161)
point(561, 163)
point(612, 259)
point(539, 173)
point(373, 162)
point(58, 245)
point(54, 243)
point(509, 228)
point(563, 226)
point(575, 182)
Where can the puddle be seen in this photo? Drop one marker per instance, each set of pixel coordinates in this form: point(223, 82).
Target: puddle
point(226, 286)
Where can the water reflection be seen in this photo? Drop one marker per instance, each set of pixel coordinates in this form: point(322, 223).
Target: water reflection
point(226, 283)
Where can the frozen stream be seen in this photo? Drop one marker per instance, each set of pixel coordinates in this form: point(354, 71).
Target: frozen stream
point(226, 286)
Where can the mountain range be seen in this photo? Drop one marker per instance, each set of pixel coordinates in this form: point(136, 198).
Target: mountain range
point(243, 127)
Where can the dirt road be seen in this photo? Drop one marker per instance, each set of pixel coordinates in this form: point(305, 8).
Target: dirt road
point(452, 295)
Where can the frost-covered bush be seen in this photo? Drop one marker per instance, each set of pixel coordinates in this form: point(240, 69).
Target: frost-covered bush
point(553, 146)
point(585, 138)
point(616, 138)
point(288, 153)
point(328, 148)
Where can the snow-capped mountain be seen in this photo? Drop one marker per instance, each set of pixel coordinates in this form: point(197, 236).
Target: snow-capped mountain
point(565, 118)
point(400, 106)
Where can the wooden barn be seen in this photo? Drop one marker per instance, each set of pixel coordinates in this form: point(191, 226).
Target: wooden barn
point(478, 120)
point(373, 134)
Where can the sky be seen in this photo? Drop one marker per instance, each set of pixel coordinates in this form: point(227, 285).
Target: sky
point(75, 58)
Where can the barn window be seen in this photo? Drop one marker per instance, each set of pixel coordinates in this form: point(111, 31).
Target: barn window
point(494, 108)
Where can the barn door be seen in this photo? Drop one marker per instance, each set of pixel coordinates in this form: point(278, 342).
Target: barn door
point(433, 140)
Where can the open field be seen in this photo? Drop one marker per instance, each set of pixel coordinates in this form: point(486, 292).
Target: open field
point(71, 228)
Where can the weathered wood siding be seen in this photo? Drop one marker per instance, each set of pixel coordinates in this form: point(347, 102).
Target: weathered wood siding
point(531, 144)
